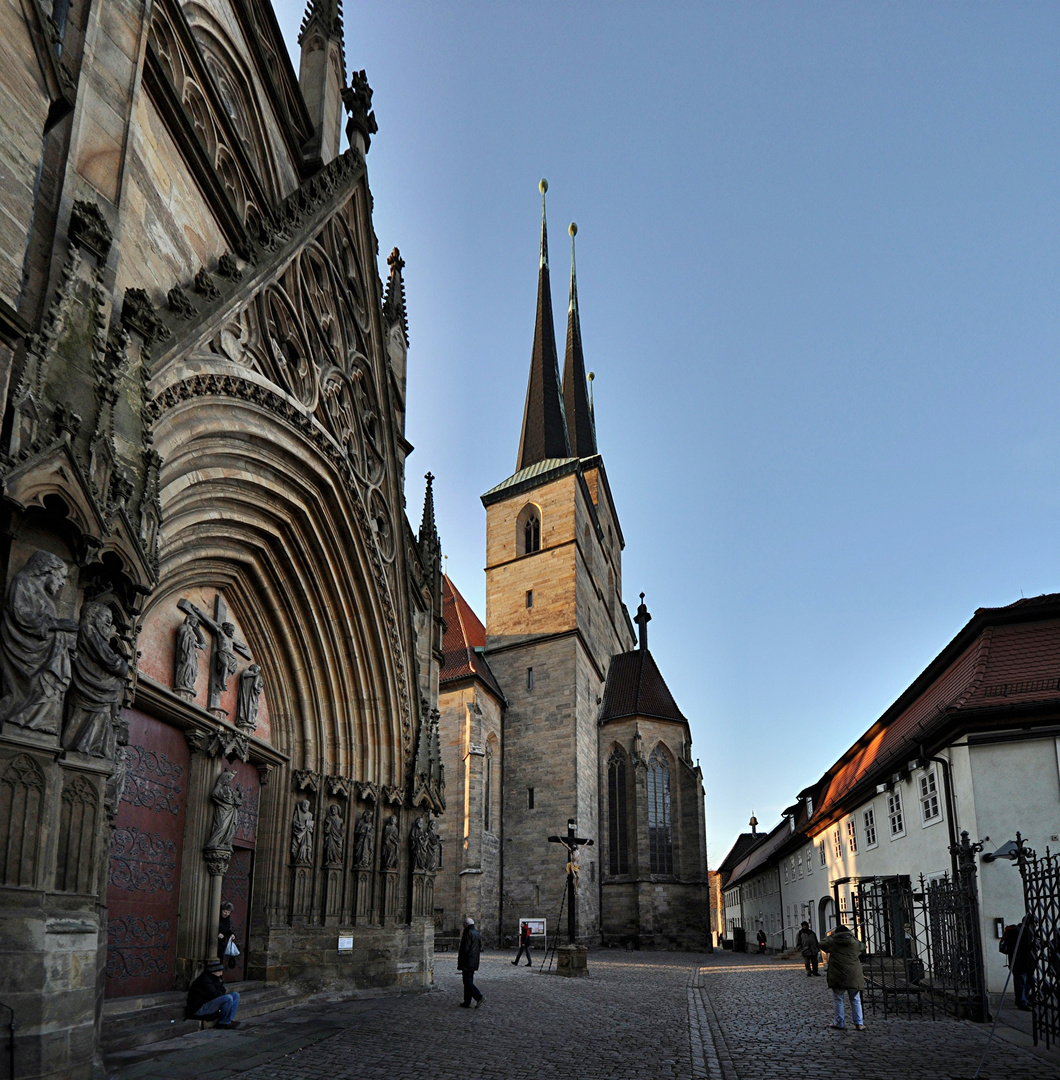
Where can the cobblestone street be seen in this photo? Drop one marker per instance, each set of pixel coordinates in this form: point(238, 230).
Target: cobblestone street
point(638, 1015)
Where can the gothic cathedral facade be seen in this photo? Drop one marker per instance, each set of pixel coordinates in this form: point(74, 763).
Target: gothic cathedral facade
point(555, 710)
point(220, 638)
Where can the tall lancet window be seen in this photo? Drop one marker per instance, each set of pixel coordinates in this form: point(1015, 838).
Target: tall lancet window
point(487, 800)
point(617, 821)
point(660, 815)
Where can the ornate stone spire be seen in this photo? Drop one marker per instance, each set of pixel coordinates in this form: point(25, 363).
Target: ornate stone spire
point(642, 620)
point(325, 16)
point(581, 431)
point(394, 300)
point(544, 432)
point(322, 75)
point(428, 537)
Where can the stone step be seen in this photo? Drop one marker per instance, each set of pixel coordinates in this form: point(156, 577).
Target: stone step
point(152, 1020)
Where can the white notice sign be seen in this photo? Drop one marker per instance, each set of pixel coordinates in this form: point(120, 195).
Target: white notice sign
point(345, 944)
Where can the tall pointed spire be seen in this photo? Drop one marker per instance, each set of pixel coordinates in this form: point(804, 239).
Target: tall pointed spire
point(581, 432)
point(544, 427)
point(428, 537)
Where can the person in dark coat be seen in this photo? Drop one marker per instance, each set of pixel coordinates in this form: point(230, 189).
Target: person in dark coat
point(761, 941)
point(845, 974)
point(524, 944)
point(225, 932)
point(207, 998)
point(807, 944)
point(467, 962)
point(1022, 958)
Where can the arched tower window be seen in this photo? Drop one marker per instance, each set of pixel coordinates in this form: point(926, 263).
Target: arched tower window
point(528, 530)
point(617, 820)
point(487, 800)
point(660, 815)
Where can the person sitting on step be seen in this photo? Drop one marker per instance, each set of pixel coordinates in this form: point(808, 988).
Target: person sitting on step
point(208, 999)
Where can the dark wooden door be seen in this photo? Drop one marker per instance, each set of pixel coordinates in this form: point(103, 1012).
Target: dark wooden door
point(239, 880)
point(143, 884)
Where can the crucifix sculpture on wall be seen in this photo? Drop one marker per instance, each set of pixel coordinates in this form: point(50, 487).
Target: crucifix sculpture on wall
point(223, 650)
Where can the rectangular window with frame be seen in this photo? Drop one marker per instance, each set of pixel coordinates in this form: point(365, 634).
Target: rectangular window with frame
point(895, 814)
point(809, 860)
point(869, 818)
point(930, 810)
point(529, 597)
point(824, 854)
point(837, 844)
point(852, 837)
point(785, 873)
point(800, 864)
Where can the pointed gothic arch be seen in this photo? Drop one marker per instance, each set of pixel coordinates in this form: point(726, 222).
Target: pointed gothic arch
point(661, 810)
point(528, 529)
point(617, 812)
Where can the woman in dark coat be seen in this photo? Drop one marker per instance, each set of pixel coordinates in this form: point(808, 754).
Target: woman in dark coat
point(225, 932)
point(845, 974)
point(467, 963)
point(807, 944)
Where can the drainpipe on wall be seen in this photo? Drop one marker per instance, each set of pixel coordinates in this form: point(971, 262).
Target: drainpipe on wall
point(951, 812)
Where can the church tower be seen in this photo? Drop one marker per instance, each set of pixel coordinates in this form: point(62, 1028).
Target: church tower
point(554, 619)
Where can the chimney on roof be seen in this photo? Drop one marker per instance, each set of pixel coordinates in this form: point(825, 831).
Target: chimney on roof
point(642, 620)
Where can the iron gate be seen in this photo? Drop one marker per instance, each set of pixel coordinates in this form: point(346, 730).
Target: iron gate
point(923, 954)
point(1041, 894)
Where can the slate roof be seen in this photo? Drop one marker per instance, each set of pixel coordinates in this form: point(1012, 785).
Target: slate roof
point(635, 687)
point(581, 430)
point(1004, 659)
point(463, 633)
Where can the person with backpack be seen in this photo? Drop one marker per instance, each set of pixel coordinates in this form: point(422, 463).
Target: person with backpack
point(845, 974)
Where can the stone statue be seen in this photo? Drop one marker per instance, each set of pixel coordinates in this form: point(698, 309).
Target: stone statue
point(35, 646)
point(190, 642)
point(116, 784)
point(224, 658)
point(334, 836)
point(364, 839)
point(420, 845)
point(390, 843)
point(227, 798)
point(302, 825)
point(96, 687)
point(434, 845)
point(251, 685)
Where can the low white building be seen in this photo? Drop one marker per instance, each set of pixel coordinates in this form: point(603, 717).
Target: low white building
point(972, 745)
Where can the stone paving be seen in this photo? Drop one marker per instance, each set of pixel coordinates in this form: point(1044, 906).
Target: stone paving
point(637, 1016)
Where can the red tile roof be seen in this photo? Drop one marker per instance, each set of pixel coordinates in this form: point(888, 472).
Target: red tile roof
point(635, 687)
point(464, 633)
point(1006, 656)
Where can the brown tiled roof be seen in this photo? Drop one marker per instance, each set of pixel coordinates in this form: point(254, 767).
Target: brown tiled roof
point(1007, 656)
point(635, 687)
point(463, 633)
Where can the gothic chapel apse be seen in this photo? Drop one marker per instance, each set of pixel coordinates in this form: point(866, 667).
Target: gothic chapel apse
point(220, 639)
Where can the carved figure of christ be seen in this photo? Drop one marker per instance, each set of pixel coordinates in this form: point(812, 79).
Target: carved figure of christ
point(222, 660)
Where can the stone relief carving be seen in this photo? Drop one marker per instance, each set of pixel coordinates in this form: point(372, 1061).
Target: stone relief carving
point(334, 836)
point(217, 861)
point(115, 789)
point(35, 646)
point(190, 642)
point(364, 839)
point(339, 786)
point(366, 791)
point(420, 845)
point(306, 780)
point(434, 843)
point(227, 798)
point(302, 826)
point(97, 685)
point(390, 843)
point(251, 685)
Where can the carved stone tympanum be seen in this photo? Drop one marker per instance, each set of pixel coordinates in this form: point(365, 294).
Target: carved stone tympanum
point(35, 646)
point(302, 826)
point(96, 687)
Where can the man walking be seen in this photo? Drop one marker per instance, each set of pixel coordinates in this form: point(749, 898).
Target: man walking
point(807, 944)
point(207, 998)
point(524, 944)
point(467, 962)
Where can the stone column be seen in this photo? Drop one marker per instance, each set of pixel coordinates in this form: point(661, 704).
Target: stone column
point(217, 860)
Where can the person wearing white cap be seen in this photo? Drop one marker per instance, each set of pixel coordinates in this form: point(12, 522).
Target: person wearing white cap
point(467, 962)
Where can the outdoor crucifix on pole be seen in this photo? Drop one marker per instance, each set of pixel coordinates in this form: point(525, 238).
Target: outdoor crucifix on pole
point(571, 842)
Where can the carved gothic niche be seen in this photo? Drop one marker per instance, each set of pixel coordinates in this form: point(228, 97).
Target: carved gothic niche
point(21, 803)
point(393, 795)
point(79, 816)
point(367, 791)
point(306, 780)
point(339, 786)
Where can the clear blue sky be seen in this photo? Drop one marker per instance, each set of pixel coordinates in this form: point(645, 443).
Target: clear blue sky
point(818, 260)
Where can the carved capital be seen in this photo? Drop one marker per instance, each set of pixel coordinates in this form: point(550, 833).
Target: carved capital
point(89, 229)
point(217, 860)
point(198, 741)
point(264, 771)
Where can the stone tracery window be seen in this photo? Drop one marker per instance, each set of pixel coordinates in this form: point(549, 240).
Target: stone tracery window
point(660, 815)
point(528, 530)
point(617, 819)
